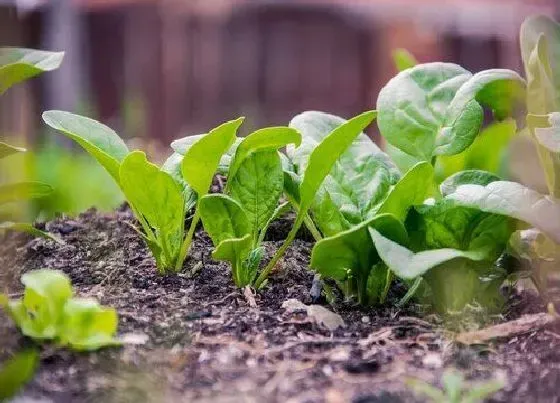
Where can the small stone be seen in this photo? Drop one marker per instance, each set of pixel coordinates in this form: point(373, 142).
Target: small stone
point(366, 319)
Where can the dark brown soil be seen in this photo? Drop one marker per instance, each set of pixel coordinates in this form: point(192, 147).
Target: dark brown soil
point(206, 344)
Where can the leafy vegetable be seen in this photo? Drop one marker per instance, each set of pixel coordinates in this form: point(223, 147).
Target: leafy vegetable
point(437, 108)
point(159, 197)
point(317, 167)
point(237, 224)
point(17, 65)
point(16, 372)
point(48, 311)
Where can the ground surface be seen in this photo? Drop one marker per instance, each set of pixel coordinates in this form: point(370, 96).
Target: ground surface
point(206, 344)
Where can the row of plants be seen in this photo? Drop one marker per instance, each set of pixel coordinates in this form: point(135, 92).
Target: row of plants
point(372, 221)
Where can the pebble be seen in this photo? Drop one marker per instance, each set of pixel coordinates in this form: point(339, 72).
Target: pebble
point(366, 319)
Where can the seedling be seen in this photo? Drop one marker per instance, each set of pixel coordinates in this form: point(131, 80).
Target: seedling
point(49, 312)
point(16, 372)
point(456, 389)
point(159, 197)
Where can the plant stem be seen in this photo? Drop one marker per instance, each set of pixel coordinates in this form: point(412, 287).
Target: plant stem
point(388, 281)
point(312, 228)
point(280, 252)
point(187, 242)
point(410, 293)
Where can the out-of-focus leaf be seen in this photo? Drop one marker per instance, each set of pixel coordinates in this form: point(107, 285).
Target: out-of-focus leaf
point(16, 372)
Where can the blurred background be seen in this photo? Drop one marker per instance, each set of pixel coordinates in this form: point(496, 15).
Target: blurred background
point(156, 70)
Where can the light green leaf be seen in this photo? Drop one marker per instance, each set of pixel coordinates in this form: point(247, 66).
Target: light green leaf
point(414, 187)
point(172, 166)
point(97, 139)
point(87, 325)
point(157, 197)
point(7, 150)
point(257, 185)
point(358, 180)
point(474, 177)
point(436, 108)
point(270, 138)
point(28, 228)
point(16, 372)
point(513, 200)
point(408, 265)
point(202, 158)
point(20, 64)
point(23, 191)
point(181, 146)
point(403, 59)
point(350, 255)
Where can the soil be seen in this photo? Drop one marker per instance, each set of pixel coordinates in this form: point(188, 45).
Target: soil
point(205, 343)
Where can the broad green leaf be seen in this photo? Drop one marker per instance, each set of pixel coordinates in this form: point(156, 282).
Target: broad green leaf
point(202, 159)
point(267, 139)
point(172, 166)
point(16, 372)
point(351, 254)
point(7, 150)
point(181, 146)
point(28, 228)
point(23, 191)
point(513, 200)
point(408, 265)
point(257, 185)
point(474, 177)
point(157, 197)
point(403, 59)
point(223, 218)
point(488, 152)
point(87, 325)
point(437, 108)
point(414, 187)
point(97, 139)
point(20, 64)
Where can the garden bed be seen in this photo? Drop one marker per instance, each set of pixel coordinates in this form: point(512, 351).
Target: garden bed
point(198, 338)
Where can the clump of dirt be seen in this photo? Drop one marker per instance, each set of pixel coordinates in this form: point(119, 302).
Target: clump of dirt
point(206, 343)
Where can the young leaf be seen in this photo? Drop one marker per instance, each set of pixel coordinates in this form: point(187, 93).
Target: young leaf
point(409, 265)
point(202, 158)
point(7, 150)
point(181, 146)
point(173, 167)
point(436, 108)
point(158, 198)
point(97, 139)
point(474, 177)
point(414, 187)
point(28, 228)
point(88, 326)
point(23, 191)
point(351, 257)
point(513, 200)
point(19, 64)
point(320, 162)
point(403, 59)
point(16, 372)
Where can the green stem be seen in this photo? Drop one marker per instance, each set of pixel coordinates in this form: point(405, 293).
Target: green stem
point(280, 252)
point(410, 293)
point(312, 228)
point(187, 242)
point(388, 281)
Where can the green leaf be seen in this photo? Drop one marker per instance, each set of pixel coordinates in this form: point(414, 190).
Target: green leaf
point(271, 138)
point(157, 197)
point(181, 146)
point(16, 372)
point(358, 179)
point(202, 159)
point(436, 108)
point(513, 200)
point(474, 177)
point(28, 228)
point(173, 167)
point(97, 139)
point(23, 191)
point(351, 254)
point(39, 312)
point(88, 326)
point(415, 186)
point(7, 150)
point(19, 64)
point(403, 59)
point(408, 265)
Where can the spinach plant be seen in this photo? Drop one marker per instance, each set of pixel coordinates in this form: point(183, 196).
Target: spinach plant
point(49, 312)
point(237, 220)
point(159, 197)
point(17, 65)
point(16, 372)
